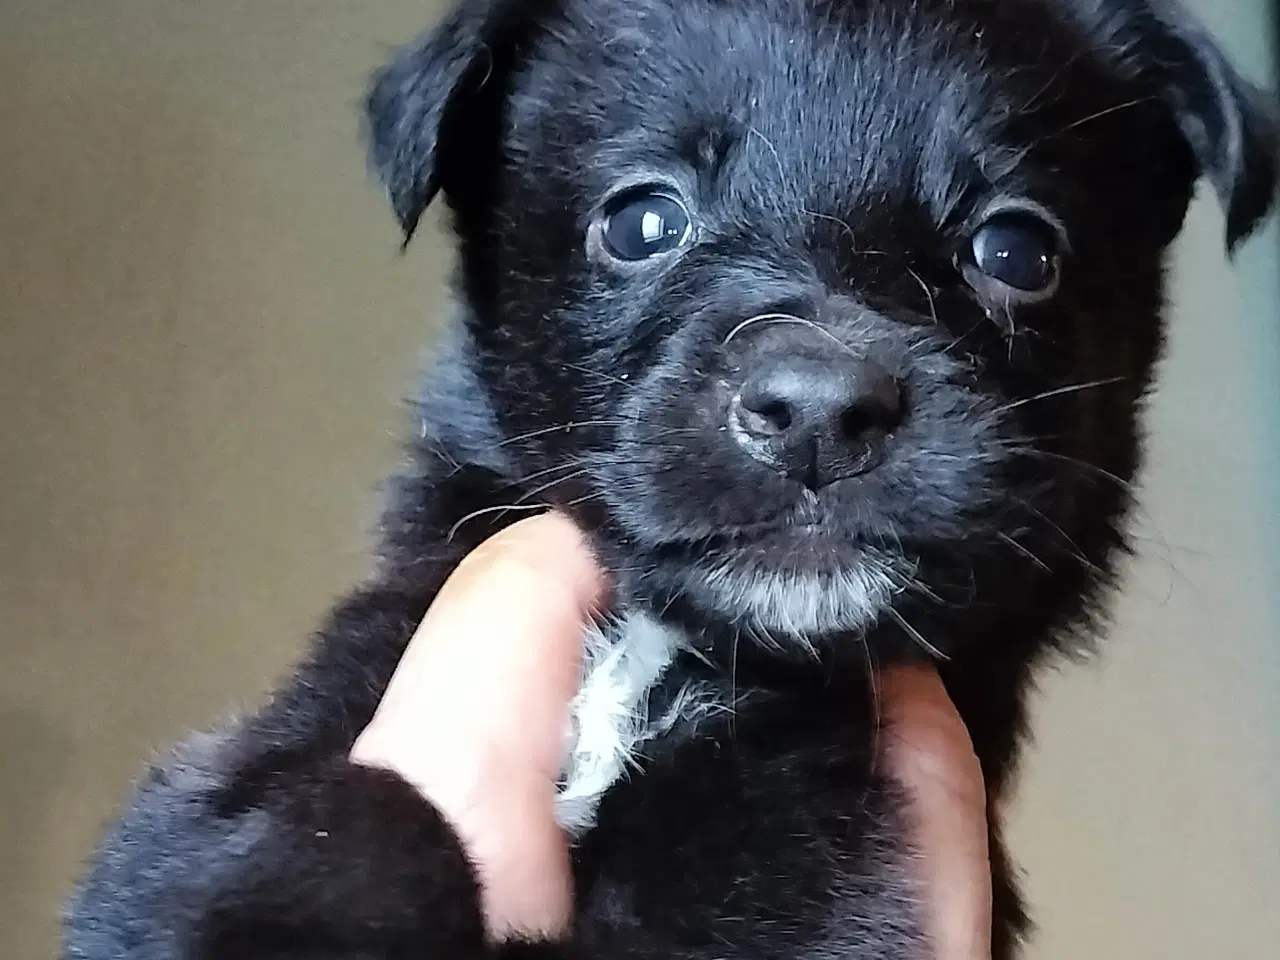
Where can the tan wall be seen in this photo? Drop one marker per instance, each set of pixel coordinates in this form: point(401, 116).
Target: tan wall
point(204, 328)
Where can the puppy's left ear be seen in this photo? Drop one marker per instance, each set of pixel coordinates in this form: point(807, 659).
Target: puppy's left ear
point(1230, 126)
point(426, 108)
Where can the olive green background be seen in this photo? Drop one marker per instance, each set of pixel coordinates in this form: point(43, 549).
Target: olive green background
point(205, 329)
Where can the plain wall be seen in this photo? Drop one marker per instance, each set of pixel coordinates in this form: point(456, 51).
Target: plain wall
point(205, 329)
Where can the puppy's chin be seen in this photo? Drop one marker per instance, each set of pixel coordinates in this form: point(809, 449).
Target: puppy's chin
point(812, 590)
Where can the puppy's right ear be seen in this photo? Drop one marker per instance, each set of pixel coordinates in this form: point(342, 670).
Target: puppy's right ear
point(417, 107)
point(1229, 124)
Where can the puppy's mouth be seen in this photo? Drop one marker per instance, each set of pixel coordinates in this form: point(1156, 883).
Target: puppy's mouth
point(814, 550)
point(810, 572)
point(821, 528)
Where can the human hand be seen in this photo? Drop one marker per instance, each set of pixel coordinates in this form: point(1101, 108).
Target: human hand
point(496, 661)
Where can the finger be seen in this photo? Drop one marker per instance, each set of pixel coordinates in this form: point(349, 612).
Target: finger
point(497, 656)
point(928, 751)
point(476, 713)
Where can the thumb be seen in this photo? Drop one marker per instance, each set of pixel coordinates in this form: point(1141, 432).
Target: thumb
point(475, 716)
point(497, 656)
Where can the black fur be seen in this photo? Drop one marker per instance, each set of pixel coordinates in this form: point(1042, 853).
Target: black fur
point(836, 155)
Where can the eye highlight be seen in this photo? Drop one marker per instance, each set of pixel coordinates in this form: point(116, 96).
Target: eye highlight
point(1017, 250)
point(645, 222)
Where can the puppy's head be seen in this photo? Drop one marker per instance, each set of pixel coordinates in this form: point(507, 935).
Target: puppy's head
point(829, 314)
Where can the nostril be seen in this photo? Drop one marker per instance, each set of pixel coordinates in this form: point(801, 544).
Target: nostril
point(856, 422)
point(879, 412)
point(765, 412)
point(773, 416)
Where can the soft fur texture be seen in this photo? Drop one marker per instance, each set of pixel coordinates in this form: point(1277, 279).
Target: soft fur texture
point(840, 163)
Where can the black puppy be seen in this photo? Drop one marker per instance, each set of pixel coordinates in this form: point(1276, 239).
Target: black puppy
point(830, 320)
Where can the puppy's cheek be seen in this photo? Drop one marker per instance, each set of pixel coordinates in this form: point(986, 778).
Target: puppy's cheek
point(676, 483)
point(944, 464)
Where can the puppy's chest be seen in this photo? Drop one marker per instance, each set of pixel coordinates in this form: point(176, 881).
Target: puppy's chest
point(707, 831)
point(626, 701)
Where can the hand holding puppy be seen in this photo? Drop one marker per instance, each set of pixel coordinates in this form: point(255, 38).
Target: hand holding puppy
point(495, 662)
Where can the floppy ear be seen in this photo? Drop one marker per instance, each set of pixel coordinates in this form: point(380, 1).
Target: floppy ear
point(422, 106)
point(1231, 128)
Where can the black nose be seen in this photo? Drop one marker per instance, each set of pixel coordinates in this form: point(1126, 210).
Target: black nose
point(817, 417)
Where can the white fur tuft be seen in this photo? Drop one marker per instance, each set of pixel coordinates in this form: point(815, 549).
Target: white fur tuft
point(797, 605)
point(609, 716)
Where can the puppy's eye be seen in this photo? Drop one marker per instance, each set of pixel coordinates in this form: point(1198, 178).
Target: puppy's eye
point(644, 223)
point(1017, 249)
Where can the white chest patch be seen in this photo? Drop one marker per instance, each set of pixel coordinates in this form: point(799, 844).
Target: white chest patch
point(609, 717)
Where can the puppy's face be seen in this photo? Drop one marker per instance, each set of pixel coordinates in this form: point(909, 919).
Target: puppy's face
point(823, 315)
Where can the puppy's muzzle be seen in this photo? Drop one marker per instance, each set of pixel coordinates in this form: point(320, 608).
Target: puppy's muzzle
point(812, 408)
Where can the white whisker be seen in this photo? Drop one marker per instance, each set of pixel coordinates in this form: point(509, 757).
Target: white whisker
point(1058, 392)
point(915, 634)
point(485, 511)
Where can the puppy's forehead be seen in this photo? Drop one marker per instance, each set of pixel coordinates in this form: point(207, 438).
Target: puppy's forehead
point(863, 96)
